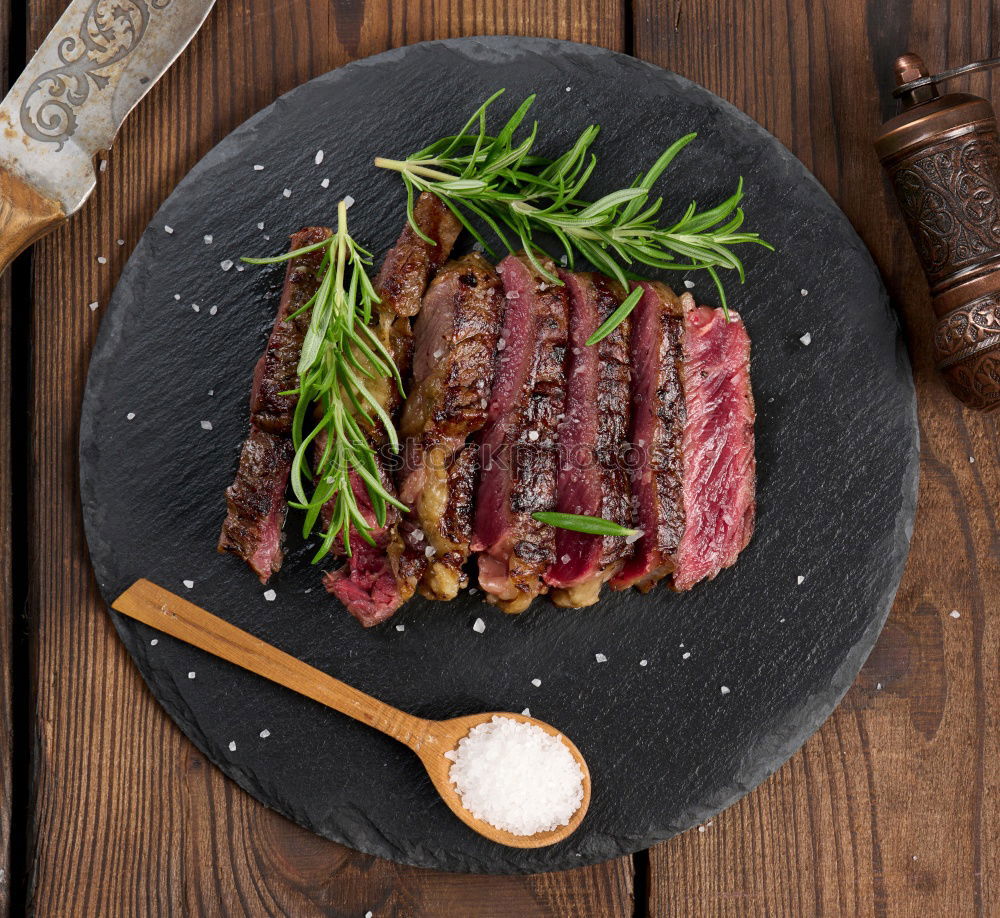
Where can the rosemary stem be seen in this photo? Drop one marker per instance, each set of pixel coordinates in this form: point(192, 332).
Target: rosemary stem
point(404, 165)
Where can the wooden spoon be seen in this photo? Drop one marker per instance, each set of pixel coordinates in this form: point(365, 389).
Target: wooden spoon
point(429, 739)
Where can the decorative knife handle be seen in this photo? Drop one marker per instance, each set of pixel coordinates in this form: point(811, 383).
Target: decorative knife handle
point(24, 216)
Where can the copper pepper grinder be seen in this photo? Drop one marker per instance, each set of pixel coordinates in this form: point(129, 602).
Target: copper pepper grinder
point(942, 154)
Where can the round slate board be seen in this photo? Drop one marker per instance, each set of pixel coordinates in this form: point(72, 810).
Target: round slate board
point(836, 451)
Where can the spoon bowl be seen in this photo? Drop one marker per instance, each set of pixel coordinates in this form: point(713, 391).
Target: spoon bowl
point(429, 739)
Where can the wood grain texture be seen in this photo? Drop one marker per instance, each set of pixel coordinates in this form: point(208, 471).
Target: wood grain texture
point(130, 819)
point(24, 216)
point(891, 809)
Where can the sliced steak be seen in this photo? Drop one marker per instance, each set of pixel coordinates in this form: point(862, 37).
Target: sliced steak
point(593, 443)
point(520, 449)
point(456, 336)
point(718, 445)
point(657, 429)
point(372, 583)
point(256, 505)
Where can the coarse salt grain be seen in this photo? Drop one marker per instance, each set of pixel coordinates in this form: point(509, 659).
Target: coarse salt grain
point(93, 306)
point(264, 734)
point(208, 237)
point(191, 674)
point(188, 583)
point(516, 776)
point(104, 165)
point(804, 292)
point(196, 307)
point(211, 391)
point(287, 193)
point(686, 655)
point(479, 626)
point(800, 580)
point(213, 310)
point(177, 297)
point(130, 416)
point(232, 746)
point(565, 559)
point(206, 425)
point(119, 242)
point(954, 613)
point(101, 260)
point(634, 536)
point(270, 595)
point(226, 264)
point(368, 914)
point(689, 284)
point(532, 435)
point(318, 158)
point(806, 339)
point(400, 627)
point(348, 200)
point(168, 229)
point(325, 183)
point(537, 683)
point(724, 689)
point(600, 658)
point(526, 712)
point(257, 167)
point(154, 642)
point(430, 551)
point(644, 662)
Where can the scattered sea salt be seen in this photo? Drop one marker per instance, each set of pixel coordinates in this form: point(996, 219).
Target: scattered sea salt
point(430, 551)
point(348, 200)
point(400, 627)
point(209, 238)
point(804, 292)
point(93, 306)
point(264, 734)
point(634, 537)
point(644, 662)
point(226, 264)
point(501, 344)
point(177, 297)
point(689, 284)
point(318, 158)
point(701, 828)
point(513, 295)
point(101, 260)
point(972, 458)
point(878, 686)
point(188, 583)
point(325, 183)
point(211, 391)
point(806, 339)
point(479, 626)
point(260, 226)
point(600, 658)
point(130, 416)
point(191, 674)
point(686, 655)
point(206, 425)
point(526, 712)
point(800, 580)
point(724, 689)
point(532, 435)
point(154, 642)
point(954, 613)
point(270, 595)
point(368, 914)
point(565, 559)
point(516, 776)
point(418, 535)
point(287, 193)
point(213, 310)
point(568, 88)
point(232, 746)
point(104, 165)
point(168, 229)
point(257, 167)
point(537, 683)
point(120, 242)
point(196, 307)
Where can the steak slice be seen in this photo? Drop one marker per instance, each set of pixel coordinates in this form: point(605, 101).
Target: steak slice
point(456, 336)
point(256, 504)
point(719, 481)
point(370, 583)
point(520, 450)
point(593, 443)
point(657, 429)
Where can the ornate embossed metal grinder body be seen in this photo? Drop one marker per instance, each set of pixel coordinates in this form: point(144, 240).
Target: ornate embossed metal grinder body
point(942, 156)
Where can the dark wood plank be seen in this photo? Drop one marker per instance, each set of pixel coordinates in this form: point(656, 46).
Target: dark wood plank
point(130, 818)
point(888, 810)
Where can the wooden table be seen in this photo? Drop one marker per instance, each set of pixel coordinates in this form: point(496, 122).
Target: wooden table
point(106, 809)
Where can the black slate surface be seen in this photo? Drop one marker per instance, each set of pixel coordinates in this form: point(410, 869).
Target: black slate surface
point(837, 459)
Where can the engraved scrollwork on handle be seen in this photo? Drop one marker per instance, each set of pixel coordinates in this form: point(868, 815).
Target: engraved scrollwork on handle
point(950, 196)
point(109, 32)
point(967, 344)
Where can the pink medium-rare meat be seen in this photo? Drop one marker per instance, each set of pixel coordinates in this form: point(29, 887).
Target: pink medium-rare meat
point(718, 446)
point(519, 444)
point(366, 583)
point(657, 428)
point(456, 335)
point(593, 443)
point(255, 501)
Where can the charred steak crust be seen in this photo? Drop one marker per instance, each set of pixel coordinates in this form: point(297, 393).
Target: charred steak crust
point(412, 261)
point(255, 501)
point(593, 442)
point(520, 448)
point(456, 337)
point(657, 429)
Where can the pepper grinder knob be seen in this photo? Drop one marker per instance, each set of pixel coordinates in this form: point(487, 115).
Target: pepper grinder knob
point(942, 157)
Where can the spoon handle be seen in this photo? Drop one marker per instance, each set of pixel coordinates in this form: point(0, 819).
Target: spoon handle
point(159, 608)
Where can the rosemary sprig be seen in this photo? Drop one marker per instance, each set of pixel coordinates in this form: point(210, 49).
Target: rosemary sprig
point(335, 406)
point(494, 180)
point(591, 525)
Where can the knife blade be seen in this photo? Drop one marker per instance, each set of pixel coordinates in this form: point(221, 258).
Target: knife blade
point(91, 70)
